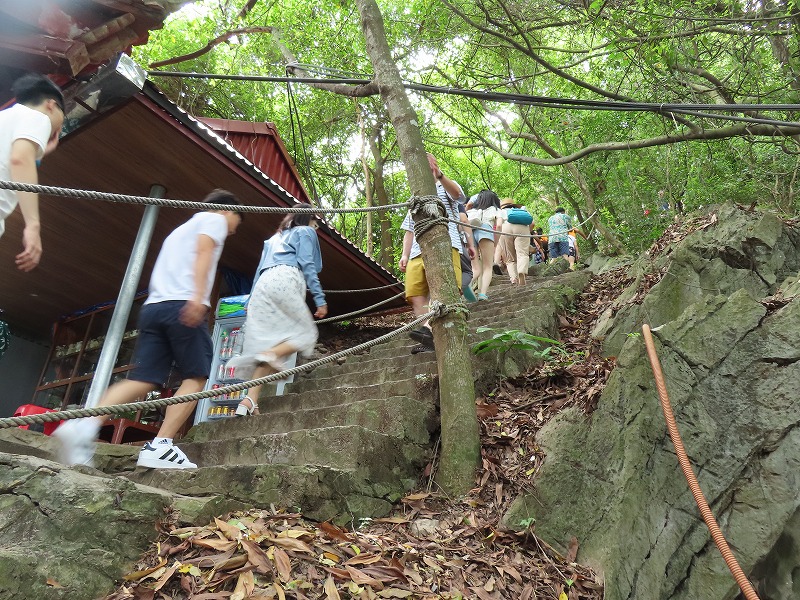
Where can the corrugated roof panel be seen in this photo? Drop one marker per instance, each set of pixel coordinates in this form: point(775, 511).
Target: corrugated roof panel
point(261, 144)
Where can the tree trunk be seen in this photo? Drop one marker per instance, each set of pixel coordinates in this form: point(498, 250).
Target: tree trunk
point(367, 181)
point(460, 434)
point(591, 208)
point(380, 195)
point(382, 199)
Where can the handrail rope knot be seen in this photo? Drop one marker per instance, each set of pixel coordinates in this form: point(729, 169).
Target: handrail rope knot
point(440, 309)
point(427, 211)
point(119, 409)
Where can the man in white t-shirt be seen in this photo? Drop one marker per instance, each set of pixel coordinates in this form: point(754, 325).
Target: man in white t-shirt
point(28, 131)
point(172, 328)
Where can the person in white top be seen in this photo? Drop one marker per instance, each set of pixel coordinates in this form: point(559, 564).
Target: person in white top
point(172, 329)
point(28, 131)
point(486, 214)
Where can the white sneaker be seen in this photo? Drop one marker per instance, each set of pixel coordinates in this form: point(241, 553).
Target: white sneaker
point(163, 456)
point(78, 439)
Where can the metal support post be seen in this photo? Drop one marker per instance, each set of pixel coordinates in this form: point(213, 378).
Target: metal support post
point(127, 294)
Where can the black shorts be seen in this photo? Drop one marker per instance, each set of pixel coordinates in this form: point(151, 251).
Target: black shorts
point(164, 341)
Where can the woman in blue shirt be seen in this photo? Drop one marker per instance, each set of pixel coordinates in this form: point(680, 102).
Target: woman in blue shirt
point(278, 320)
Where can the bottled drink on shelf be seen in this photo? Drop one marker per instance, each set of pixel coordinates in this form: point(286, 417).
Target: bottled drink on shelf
point(224, 340)
point(237, 339)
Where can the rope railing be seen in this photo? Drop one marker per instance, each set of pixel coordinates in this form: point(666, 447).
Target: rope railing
point(49, 190)
point(360, 311)
point(437, 310)
point(374, 289)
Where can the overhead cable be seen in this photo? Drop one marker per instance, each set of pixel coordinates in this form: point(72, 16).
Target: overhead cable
point(530, 100)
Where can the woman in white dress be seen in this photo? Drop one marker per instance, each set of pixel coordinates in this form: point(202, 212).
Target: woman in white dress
point(278, 321)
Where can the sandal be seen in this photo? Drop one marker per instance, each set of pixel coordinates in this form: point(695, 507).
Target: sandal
point(243, 410)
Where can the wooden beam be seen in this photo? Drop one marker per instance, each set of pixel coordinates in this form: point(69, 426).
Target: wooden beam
point(136, 8)
point(44, 54)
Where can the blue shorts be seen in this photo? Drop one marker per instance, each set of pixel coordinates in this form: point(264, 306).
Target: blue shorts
point(164, 340)
point(556, 249)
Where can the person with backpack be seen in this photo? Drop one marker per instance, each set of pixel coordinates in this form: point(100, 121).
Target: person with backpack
point(516, 247)
point(486, 214)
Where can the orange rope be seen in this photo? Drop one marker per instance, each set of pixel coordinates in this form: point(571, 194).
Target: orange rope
point(691, 478)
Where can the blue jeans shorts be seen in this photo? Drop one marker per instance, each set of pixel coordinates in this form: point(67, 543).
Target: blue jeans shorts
point(556, 249)
point(164, 341)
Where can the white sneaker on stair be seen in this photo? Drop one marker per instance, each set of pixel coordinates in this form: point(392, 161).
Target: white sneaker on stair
point(78, 439)
point(163, 456)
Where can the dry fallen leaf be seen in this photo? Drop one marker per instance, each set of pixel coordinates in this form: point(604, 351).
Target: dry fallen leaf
point(283, 564)
point(331, 593)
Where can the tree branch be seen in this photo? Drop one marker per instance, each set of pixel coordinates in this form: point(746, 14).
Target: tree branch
point(210, 45)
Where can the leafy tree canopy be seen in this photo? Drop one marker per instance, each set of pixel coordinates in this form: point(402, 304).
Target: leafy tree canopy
point(607, 166)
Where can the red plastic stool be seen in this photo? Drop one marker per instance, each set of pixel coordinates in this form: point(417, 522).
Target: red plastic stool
point(32, 409)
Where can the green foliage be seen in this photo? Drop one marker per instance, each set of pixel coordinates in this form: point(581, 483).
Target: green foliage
point(644, 51)
point(514, 339)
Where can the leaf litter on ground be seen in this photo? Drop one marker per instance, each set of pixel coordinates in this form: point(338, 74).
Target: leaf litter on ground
point(430, 546)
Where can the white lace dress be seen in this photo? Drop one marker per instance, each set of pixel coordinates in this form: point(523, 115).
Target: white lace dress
point(277, 312)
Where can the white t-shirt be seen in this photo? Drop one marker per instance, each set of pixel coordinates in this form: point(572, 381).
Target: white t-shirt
point(16, 123)
point(478, 216)
point(173, 275)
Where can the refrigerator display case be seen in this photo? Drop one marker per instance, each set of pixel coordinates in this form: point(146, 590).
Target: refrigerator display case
point(228, 336)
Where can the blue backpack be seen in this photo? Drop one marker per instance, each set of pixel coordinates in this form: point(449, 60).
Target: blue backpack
point(519, 216)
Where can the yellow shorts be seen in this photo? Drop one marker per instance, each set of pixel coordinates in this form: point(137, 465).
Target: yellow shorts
point(417, 285)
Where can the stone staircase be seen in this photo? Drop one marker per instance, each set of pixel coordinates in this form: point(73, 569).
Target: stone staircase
point(346, 440)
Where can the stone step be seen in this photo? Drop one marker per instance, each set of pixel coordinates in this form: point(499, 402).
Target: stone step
point(372, 455)
point(424, 387)
point(109, 458)
point(320, 493)
point(374, 372)
point(399, 416)
point(366, 362)
point(402, 348)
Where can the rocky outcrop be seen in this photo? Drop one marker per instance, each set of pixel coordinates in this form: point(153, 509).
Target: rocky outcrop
point(731, 358)
point(67, 533)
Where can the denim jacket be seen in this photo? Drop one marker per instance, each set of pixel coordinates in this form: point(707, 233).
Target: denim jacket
point(296, 247)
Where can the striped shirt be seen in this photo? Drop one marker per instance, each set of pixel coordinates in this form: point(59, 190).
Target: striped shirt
point(452, 228)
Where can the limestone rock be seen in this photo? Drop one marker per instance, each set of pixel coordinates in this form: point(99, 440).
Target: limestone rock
point(68, 534)
point(745, 250)
point(732, 371)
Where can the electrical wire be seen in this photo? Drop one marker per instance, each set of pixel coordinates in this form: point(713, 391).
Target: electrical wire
point(534, 101)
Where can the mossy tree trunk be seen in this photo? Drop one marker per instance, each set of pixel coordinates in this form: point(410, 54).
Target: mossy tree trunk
point(460, 447)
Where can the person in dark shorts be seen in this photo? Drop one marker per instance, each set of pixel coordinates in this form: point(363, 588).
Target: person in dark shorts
point(172, 328)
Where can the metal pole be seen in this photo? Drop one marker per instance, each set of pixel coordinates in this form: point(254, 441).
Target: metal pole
point(122, 309)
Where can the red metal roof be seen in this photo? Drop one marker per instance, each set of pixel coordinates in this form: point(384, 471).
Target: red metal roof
point(261, 144)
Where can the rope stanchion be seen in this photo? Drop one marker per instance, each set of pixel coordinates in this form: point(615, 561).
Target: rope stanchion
point(118, 409)
point(427, 211)
point(49, 190)
point(688, 472)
